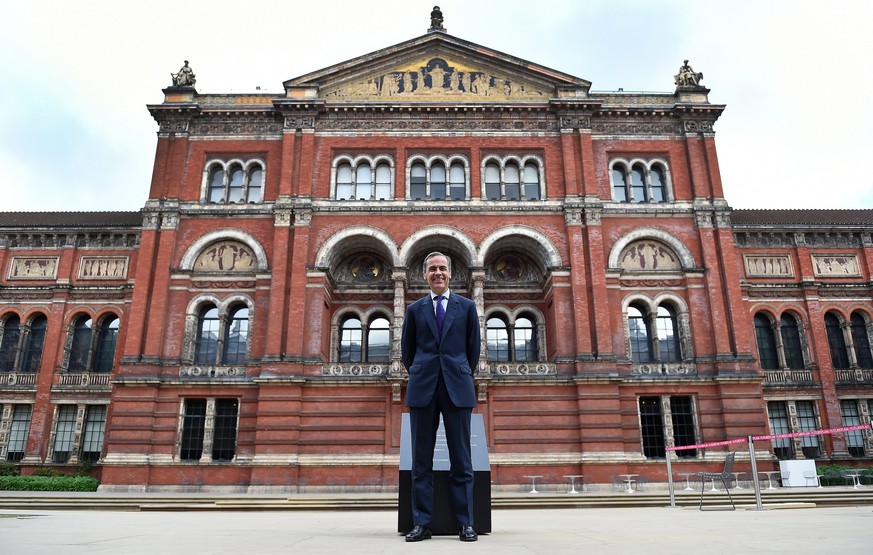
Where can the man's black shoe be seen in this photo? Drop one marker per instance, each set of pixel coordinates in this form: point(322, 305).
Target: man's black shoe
point(420, 533)
point(467, 534)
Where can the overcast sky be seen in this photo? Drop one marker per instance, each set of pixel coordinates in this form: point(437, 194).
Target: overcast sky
point(795, 75)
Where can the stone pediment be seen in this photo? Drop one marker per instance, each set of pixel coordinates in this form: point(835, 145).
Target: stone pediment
point(436, 67)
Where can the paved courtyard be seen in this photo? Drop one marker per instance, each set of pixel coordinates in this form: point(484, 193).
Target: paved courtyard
point(843, 530)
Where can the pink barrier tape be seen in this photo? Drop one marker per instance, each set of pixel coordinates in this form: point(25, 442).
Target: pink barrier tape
point(712, 444)
point(814, 432)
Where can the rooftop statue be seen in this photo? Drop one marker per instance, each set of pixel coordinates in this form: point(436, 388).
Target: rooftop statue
point(436, 20)
point(687, 77)
point(185, 77)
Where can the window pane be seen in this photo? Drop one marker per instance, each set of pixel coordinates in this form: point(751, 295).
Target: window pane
point(492, 182)
point(531, 182)
point(511, 177)
point(364, 182)
point(383, 182)
point(350, 341)
point(438, 182)
point(216, 185)
point(81, 345)
point(861, 341)
point(235, 189)
point(256, 184)
point(378, 340)
point(343, 182)
point(836, 342)
point(668, 344)
point(659, 183)
point(619, 185)
point(106, 342)
point(639, 336)
point(807, 422)
point(458, 179)
point(193, 424)
point(207, 336)
point(64, 429)
point(791, 342)
point(497, 339)
point(682, 410)
point(783, 448)
point(851, 417)
point(9, 345)
point(92, 438)
point(33, 348)
point(417, 182)
point(652, 423)
point(525, 344)
point(766, 343)
point(237, 337)
point(638, 184)
point(18, 431)
point(224, 438)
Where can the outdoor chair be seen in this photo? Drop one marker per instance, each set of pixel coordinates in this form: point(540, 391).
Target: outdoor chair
point(811, 475)
point(725, 476)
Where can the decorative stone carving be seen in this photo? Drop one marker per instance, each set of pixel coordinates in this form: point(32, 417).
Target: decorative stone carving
point(355, 370)
point(648, 255)
point(698, 126)
point(226, 256)
point(299, 122)
point(575, 122)
point(103, 267)
point(174, 126)
point(33, 267)
point(839, 265)
point(770, 265)
point(687, 77)
point(663, 369)
point(185, 77)
point(212, 372)
point(523, 369)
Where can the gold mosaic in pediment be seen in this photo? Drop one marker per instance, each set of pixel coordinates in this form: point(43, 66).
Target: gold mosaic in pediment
point(437, 79)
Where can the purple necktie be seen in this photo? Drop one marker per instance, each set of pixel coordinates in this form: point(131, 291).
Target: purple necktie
point(440, 313)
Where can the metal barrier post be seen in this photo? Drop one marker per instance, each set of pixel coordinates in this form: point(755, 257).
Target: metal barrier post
point(670, 481)
point(757, 484)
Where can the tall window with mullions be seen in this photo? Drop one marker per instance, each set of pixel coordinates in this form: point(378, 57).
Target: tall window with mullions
point(779, 424)
point(193, 427)
point(92, 440)
point(652, 424)
point(851, 417)
point(18, 430)
point(807, 422)
point(224, 438)
point(682, 412)
point(64, 430)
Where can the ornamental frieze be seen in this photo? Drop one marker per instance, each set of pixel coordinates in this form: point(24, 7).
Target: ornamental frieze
point(698, 126)
point(438, 79)
point(218, 284)
point(207, 372)
point(437, 125)
point(663, 369)
point(769, 265)
point(178, 126)
point(249, 126)
point(650, 283)
point(33, 267)
point(636, 128)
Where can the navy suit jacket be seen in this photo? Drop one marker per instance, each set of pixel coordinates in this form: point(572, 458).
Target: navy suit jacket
point(455, 351)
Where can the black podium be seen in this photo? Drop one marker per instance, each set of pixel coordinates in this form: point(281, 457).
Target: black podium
point(443, 516)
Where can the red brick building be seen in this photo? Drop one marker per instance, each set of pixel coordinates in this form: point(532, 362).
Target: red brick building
point(242, 330)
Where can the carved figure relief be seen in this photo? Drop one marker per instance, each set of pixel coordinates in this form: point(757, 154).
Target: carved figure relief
point(436, 78)
point(226, 256)
point(33, 267)
point(103, 267)
point(840, 265)
point(768, 265)
point(648, 255)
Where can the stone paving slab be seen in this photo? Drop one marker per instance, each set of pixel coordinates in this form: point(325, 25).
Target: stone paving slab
point(843, 530)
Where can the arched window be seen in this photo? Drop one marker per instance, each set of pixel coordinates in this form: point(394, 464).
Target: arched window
point(438, 181)
point(215, 192)
point(107, 339)
point(418, 182)
point(80, 347)
point(497, 339)
point(619, 184)
point(531, 182)
point(640, 339)
point(383, 182)
point(344, 182)
point(10, 343)
point(236, 336)
point(836, 342)
point(525, 340)
point(256, 185)
point(206, 344)
point(351, 341)
point(378, 340)
point(458, 182)
point(668, 341)
point(861, 341)
point(235, 184)
point(640, 182)
point(512, 182)
point(33, 345)
point(791, 342)
point(766, 342)
point(492, 182)
point(658, 178)
point(363, 182)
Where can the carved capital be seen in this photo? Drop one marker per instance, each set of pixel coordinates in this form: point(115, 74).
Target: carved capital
point(573, 216)
point(299, 122)
point(593, 215)
point(575, 122)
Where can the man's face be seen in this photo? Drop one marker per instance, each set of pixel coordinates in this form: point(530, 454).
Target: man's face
point(437, 274)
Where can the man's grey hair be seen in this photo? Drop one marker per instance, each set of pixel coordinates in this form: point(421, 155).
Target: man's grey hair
point(433, 254)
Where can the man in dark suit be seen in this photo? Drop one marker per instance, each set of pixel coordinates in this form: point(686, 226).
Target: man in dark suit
point(440, 350)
